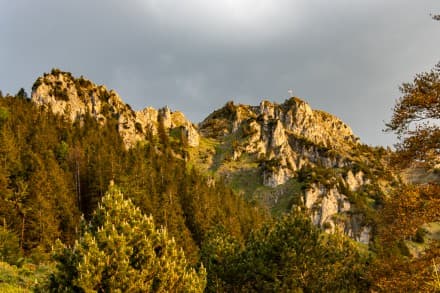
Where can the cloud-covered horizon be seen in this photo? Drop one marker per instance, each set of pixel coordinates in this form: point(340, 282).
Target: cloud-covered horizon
point(344, 57)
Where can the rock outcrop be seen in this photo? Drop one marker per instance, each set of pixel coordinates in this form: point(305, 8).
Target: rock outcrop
point(290, 140)
point(282, 137)
point(332, 210)
point(76, 97)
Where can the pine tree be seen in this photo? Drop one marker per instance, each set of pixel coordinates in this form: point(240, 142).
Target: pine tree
point(120, 249)
point(22, 94)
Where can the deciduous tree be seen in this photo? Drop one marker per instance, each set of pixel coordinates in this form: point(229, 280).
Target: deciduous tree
point(415, 119)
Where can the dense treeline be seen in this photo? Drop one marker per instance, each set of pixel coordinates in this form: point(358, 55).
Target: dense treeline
point(52, 171)
point(289, 254)
point(37, 203)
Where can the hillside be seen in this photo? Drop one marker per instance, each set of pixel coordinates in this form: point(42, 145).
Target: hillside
point(280, 155)
point(246, 193)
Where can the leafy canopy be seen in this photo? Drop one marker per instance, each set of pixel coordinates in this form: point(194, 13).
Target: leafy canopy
point(416, 117)
point(288, 255)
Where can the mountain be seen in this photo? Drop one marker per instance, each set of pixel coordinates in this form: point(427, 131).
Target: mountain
point(288, 154)
point(281, 155)
point(257, 194)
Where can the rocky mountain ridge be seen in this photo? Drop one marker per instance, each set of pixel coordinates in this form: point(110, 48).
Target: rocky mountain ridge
point(260, 150)
point(282, 137)
point(76, 97)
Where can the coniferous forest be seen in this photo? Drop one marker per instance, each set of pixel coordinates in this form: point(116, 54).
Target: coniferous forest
point(80, 212)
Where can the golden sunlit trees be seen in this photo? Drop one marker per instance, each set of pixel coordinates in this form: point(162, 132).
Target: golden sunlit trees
point(415, 119)
point(121, 250)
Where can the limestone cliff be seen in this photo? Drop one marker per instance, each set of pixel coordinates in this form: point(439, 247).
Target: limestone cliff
point(76, 97)
point(283, 138)
point(263, 150)
point(333, 209)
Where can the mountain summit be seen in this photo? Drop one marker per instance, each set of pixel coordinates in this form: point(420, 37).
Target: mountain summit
point(282, 137)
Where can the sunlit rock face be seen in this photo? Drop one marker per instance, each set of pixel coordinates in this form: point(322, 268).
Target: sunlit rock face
point(332, 210)
point(76, 97)
point(284, 137)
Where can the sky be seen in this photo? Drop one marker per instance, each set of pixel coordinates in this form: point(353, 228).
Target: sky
point(346, 57)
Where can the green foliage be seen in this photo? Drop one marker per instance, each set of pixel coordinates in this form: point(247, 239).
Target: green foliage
point(104, 97)
point(120, 249)
point(366, 199)
point(220, 252)
point(279, 199)
point(36, 199)
point(15, 279)
point(9, 246)
point(55, 71)
point(246, 181)
point(62, 151)
point(37, 83)
point(420, 235)
point(327, 177)
point(184, 200)
point(290, 255)
point(60, 93)
point(4, 114)
point(271, 165)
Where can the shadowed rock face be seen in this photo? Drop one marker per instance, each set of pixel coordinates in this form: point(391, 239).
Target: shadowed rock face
point(75, 97)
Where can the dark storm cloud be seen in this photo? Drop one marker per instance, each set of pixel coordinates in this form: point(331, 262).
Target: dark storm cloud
point(345, 57)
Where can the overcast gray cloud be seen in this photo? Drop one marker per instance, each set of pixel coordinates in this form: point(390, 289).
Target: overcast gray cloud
point(347, 57)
